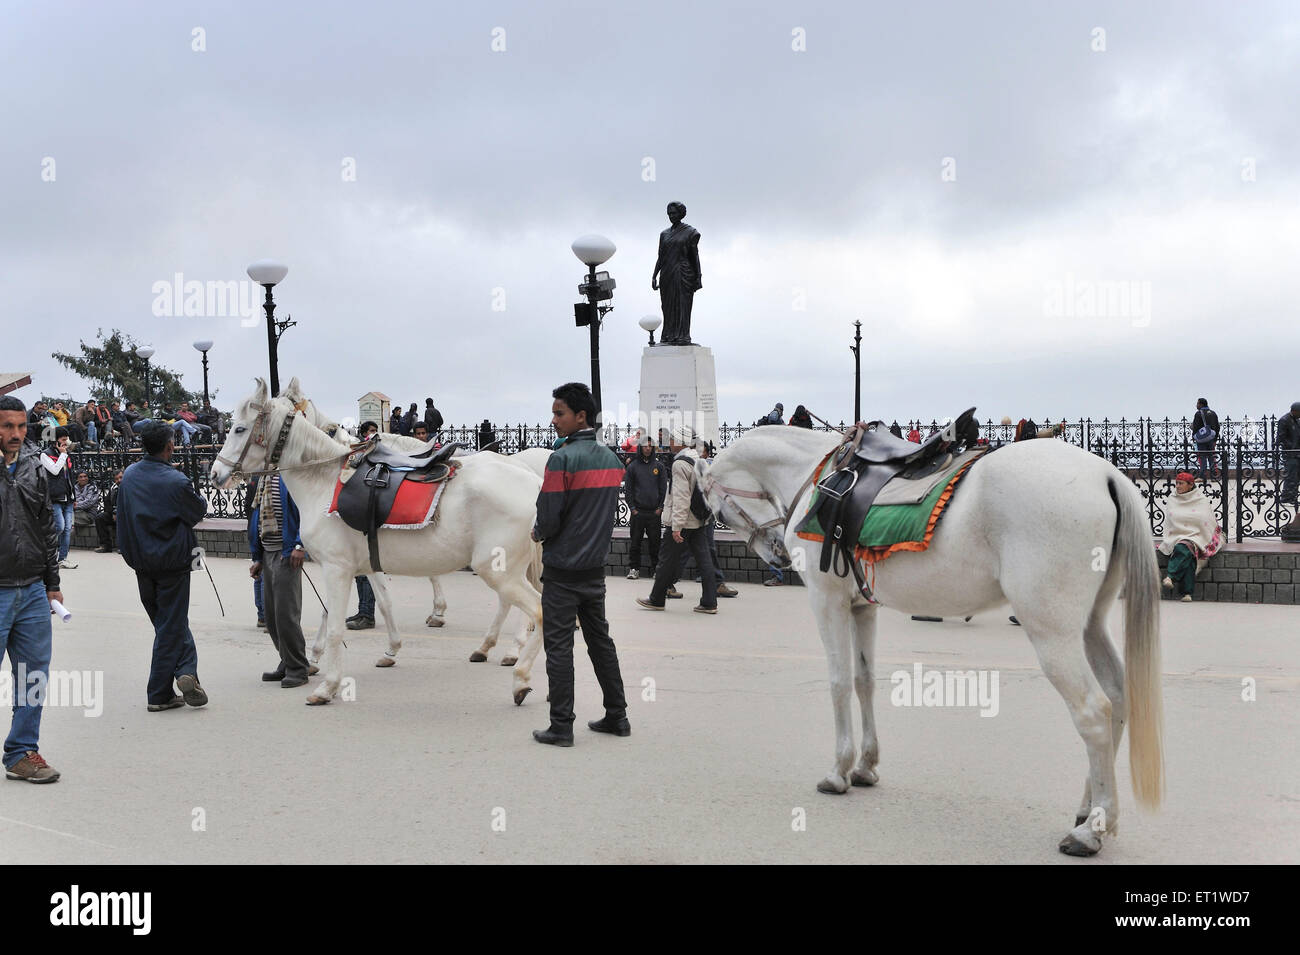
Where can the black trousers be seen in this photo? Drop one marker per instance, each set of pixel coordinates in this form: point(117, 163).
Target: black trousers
point(1291, 479)
point(562, 601)
point(104, 528)
point(167, 602)
point(647, 523)
point(670, 561)
point(713, 555)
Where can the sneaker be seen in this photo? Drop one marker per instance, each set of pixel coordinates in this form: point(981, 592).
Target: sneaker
point(774, 582)
point(703, 609)
point(1167, 583)
point(1014, 620)
point(188, 684)
point(1187, 598)
point(171, 704)
point(32, 768)
point(672, 594)
point(725, 591)
point(67, 564)
point(648, 605)
point(361, 623)
point(261, 623)
point(634, 574)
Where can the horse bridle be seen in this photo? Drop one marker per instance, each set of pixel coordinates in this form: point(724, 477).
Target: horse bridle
point(273, 458)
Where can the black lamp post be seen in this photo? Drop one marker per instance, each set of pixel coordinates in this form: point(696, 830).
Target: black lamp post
point(594, 250)
point(856, 348)
point(145, 352)
point(203, 347)
point(269, 274)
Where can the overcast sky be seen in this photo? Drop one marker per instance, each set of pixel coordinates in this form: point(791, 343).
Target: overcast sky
point(970, 180)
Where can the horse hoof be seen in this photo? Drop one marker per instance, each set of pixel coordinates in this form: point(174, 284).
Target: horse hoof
point(432, 621)
point(1072, 845)
point(385, 662)
point(1080, 820)
point(478, 656)
point(509, 661)
point(834, 785)
point(315, 700)
point(521, 695)
point(864, 777)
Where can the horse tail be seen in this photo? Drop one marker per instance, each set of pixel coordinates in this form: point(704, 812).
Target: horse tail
point(1141, 645)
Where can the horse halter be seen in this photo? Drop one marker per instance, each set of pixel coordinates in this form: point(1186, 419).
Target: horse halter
point(748, 523)
point(273, 458)
point(258, 437)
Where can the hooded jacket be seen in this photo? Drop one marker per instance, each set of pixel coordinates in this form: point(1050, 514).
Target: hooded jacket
point(681, 485)
point(645, 482)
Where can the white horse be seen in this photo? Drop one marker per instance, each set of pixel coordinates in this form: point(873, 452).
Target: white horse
point(1053, 530)
point(484, 521)
point(532, 460)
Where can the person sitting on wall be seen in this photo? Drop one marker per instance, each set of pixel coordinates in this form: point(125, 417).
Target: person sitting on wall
point(1192, 535)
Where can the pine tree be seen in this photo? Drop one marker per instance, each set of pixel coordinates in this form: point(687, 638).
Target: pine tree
point(115, 371)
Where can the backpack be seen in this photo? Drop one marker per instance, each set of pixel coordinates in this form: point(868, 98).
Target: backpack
point(1209, 429)
point(698, 507)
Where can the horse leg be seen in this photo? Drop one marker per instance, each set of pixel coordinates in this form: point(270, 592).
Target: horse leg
point(384, 601)
point(519, 592)
point(337, 583)
point(493, 632)
point(1108, 669)
point(864, 658)
point(318, 645)
point(435, 619)
point(1063, 661)
point(836, 626)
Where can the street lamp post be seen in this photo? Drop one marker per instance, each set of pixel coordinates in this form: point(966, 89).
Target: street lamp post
point(145, 352)
point(594, 250)
point(856, 348)
point(203, 347)
point(268, 274)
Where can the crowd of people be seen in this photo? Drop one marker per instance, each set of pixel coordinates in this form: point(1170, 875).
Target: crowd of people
point(111, 426)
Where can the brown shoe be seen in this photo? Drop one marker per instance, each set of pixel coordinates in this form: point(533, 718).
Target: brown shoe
point(672, 594)
point(33, 769)
point(725, 591)
point(171, 704)
point(644, 602)
point(703, 609)
point(188, 684)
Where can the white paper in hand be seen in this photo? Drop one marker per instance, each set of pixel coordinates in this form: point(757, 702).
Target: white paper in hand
point(64, 613)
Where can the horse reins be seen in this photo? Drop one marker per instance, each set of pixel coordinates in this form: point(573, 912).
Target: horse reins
point(273, 458)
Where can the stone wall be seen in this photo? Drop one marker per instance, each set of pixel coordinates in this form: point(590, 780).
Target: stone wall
point(1250, 572)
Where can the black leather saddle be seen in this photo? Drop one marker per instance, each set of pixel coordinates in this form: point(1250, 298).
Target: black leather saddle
point(861, 467)
point(367, 498)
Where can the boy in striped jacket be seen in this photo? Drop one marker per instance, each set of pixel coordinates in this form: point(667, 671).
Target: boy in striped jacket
point(575, 523)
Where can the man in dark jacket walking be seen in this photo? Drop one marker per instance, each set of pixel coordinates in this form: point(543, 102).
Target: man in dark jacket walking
point(575, 520)
point(29, 580)
point(645, 480)
point(432, 419)
point(1205, 418)
point(1288, 439)
point(157, 509)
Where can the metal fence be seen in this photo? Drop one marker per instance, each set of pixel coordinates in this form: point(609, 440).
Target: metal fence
point(1242, 475)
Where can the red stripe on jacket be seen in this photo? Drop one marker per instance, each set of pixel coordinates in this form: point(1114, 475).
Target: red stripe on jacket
point(580, 480)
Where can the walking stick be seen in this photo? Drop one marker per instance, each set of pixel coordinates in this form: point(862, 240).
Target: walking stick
point(317, 593)
point(214, 588)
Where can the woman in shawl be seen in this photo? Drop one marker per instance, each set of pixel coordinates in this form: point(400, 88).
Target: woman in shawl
point(677, 276)
point(801, 418)
point(1192, 534)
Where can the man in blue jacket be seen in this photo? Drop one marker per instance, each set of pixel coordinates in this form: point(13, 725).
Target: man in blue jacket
point(278, 554)
point(157, 509)
point(645, 481)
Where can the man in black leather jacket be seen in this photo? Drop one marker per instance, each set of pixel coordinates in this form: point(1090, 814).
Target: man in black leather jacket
point(29, 581)
point(1288, 439)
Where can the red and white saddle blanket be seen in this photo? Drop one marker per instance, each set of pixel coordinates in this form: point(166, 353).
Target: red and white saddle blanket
point(413, 508)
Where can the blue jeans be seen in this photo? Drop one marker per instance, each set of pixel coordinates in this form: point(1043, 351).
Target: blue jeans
point(183, 430)
point(63, 525)
point(167, 602)
point(365, 598)
point(92, 434)
point(25, 634)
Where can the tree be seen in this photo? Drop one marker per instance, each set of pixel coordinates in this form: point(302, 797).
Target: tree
point(114, 370)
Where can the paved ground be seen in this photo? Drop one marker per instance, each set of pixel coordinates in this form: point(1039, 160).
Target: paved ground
point(432, 752)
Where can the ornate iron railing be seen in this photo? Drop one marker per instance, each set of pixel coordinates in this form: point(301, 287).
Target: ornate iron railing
point(1242, 476)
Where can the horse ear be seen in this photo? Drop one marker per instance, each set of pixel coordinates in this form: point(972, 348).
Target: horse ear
point(294, 391)
point(260, 395)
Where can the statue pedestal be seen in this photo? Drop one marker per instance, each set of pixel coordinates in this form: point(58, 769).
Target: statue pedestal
point(679, 386)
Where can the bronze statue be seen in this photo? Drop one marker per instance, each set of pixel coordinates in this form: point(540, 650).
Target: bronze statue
point(677, 276)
